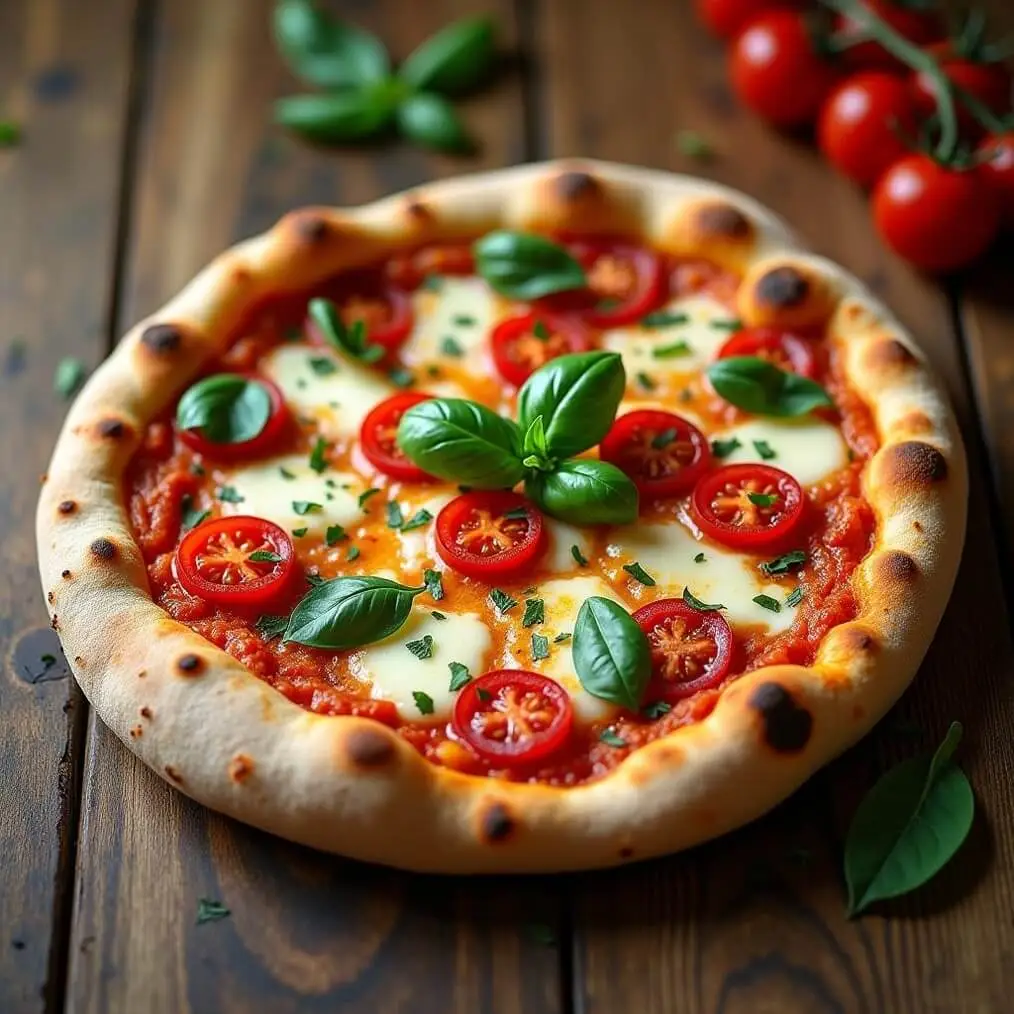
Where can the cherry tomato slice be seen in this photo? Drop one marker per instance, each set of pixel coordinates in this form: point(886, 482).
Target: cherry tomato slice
point(662, 452)
point(783, 349)
point(747, 506)
point(489, 535)
point(377, 437)
point(218, 562)
point(384, 308)
point(691, 650)
point(520, 345)
point(408, 270)
point(512, 716)
point(275, 429)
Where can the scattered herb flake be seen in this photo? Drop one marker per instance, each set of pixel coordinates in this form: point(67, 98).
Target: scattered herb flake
point(656, 709)
point(784, 563)
point(645, 381)
point(190, 516)
point(366, 494)
point(674, 350)
point(229, 494)
point(437, 615)
point(540, 330)
point(420, 519)
point(299, 532)
point(464, 320)
point(562, 638)
point(540, 647)
point(459, 675)
point(517, 514)
point(762, 499)
point(764, 449)
point(695, 603)
point(450, 346)
point(694, 145)
point(700, 558)
point(535, 612)
point(733, 324)
point(664, 318)
point(196, 468)
point(432, 283)
point(434, 584)
point(638, 573)
point(318, 461)
point(794, 597)
point(767, 602)
point(209, 910)
point(395, 519)
point(423, 702)
point(502, 601)
point(69, 376)
point(610, 737)
point(302, 507)
point(10, 133)
point(421, 648)
point(285, 473)
point(662, 440)
point(401, 377)
point(334, 534)
point(314, 579)
point(322, 365)
point(264, 556)
point(352, 553)
point(483, 695)
point(579, 558)
point(723, 448)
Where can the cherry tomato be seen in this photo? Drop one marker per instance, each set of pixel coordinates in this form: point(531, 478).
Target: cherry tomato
point(238, 561)
point(512, 716)
point(377, 437)
point(784, 349)
point(990, 83)
point(998, 170)
point(725, 18)
point(935, 217)
point(384, 308)
point(489, 535)
point(275, 429)
point(918, 26)
point(407, 270)
point(520, 345)
point(747, 506)
point(662, 452)
point(776, 71)
point(862, 124)
point(691, 650)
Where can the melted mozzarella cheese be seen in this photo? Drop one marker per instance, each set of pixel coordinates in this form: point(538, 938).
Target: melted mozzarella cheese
point(416, 546)
point(395, 672)
point(463, 309)
point(561, 538)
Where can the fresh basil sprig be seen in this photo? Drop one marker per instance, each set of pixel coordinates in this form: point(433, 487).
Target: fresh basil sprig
point(584, 491)
point(611, 654)
point(226, 408)
point(430, 120)
point(352, 340)
point(757, 386)
point(337, 116)
point(521, 265)
point(350, 611)
point(454, 60)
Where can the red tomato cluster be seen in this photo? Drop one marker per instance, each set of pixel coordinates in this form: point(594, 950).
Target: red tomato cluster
point(867, 108)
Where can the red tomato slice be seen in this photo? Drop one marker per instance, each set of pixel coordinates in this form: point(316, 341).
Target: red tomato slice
point(377, 437)
point(489, 535)
point(214, 562)
point(384, 308)
point(747, 506)
point(520, 345)
point(275, 429)
point(407, 270)
point(783, 349)
point(663, 453)
point(690, 650)
point(512, 716)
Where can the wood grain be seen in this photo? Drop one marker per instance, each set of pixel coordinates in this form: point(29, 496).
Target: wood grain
point(754, 922)
point(307, 932)
point(64, 79)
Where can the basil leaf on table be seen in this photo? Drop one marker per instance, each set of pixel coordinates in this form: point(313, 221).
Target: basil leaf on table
point(430, 120)
point(453, 60)
point(226, 408)
point(338, 116)
point(908, 826)
point(612, 657)
point(577, 396)
point(521, 265)
point(462, 441)
point(353, 340)
point(757, 386)
point(350, 611)
point(585, 491)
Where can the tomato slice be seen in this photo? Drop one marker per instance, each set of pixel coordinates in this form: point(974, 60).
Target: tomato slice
point(215, 562)
point(384, 308)
point(275, 429)
point(783, 349)
point(747, 506)
point(407, 270)
point(662, 452)
point(489, 535)
point(512, 716)
point(691, 650)
point(520, 345)
point(377, 437)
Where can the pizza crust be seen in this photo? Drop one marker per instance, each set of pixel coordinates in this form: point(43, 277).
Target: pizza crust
point(207, 725)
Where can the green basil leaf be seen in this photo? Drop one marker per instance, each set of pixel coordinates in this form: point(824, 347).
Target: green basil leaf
point(577, 396)
point(908, 826)
point(68, 377)
point(520, 265)
point(326, 52)
point(612, 657)
point(352, 340)
point(462, 441)
point(350, 611)
point(757, 386)
point(430, 120)
point(584, 491)
point(335, 117)
point(453, 60)
point(226, 408)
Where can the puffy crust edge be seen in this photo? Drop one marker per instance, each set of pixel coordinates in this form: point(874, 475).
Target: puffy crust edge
point(208, 726)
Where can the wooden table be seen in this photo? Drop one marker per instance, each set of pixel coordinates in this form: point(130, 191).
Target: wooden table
point(147, 148)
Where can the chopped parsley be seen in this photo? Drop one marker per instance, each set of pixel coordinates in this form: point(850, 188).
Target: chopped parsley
point(638, 573)
point(352, 553)
point(784, 563)
point(395, 519)
point(459, 675)
point(366, 494)
point(767, 602)
point(196, 468)
point(450, 346)
point(10, 133)
point(69, 376)
point(645, 381)
point(662, 440)
point(264, 556)
point(540, 331)
point(516, 514)
point(763, 499)
point(734, 324)
point(674, 350)
point(209, 910)
point(723, 448)
point(579, 558)
point(423, 702)
point(794, 597)
point(318, 462)
point(656, 709)
point(299, 532)
point(190, 516)
point(285, 473)
point(432, 283)
point(437, 615)
point(421, 648)
point(764, 449)
point(610, 737)
point(228, 494)
point(700, 558)
point(663, 318)
point(540, 647)
point(302, 507)
point(501, 600)
point(482, 694)
point(270, 627)
point(434, 584)
point(695, 603)
point(562, 638)
point(322, 365)
point(535, 612)
point(334, 534)
point(401, 377)
point(694, 145)
point(420, 519)
point(314, 580)
point(464, 320)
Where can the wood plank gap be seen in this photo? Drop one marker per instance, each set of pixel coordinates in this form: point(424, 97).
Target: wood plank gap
point(533, 93)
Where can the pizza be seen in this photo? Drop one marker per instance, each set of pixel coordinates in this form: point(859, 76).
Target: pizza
point(545, 519)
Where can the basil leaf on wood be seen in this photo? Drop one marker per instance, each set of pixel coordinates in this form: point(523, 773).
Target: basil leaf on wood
point(577, 396)
point(453, 60)
point(430, 120)
point(908, 826)
point(336, 116)
point(462, 441)
point(350, 611)
point(521, 265)
point(585, 491)
point(612, 657)
point(226, 408)
point(352, 340)
point(68, 377)
point(757, 386)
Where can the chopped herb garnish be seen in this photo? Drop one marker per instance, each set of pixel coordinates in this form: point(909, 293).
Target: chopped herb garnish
point(610, 737)
point(318, 461)
point(540, 331)
point(423, 702)
point(334, 534)
point(645, 381)
point(229, 494)
point(423, 647)
point(302, 507)
point(264, 556)
point(656, 709)
point(437, 615)
point(70, 375)
point(540, 647)
point(209, 910)
point(190, 516)
point(700, 558)
point(674, 350)
point(535, 612)
point(10, 133)
point(285, 473)
point(638, 573)
point(434, 584)
point(314, 579)
point(662, 440)
point(322, 365)
point(767, 602)
point(694, 145)
point(483, 695)
point(794, 597)
point(432, 283)
point(784, 563)
point(196, 468)
point(763, 499)
point(401, 377)
point(366, 494)
point(733, 324)
point(352, 553)
point(464, 320)
point(686, 395)
point(459, 675)
point(579, 558)
point(450, 346)
point(664, 318)
point(420, 519)
point(502, 601)
point(299, 532)
point(695, 603)
point(562, 638)
point(764, 449)
point(270, 627)
point(395, 519)
point(723, 448)
point(517, 514)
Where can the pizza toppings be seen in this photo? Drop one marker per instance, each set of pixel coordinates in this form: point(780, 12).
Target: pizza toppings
point(522, 344)
point(787, 351)
point(378, 438)
point(369, 317)
point(756, 385)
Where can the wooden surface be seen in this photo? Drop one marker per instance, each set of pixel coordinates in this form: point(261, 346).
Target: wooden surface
point(147, 149)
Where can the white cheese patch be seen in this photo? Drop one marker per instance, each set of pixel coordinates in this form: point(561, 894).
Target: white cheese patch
point(396, 672)
point(463, 309)
point(267, 493)
point(560, 540)
point(416, 546)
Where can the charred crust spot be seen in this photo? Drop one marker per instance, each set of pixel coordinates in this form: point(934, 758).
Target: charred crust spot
point(78, 660)
point(145, 712)
point(50, 597)
point(724, 221)
point(856, 641)
point(369, 748)
point(417, 211)
point(782, 288)
point(172, 773)
point(312, 228)
point(162, 339)
point(65, 574)
point(917, 463)
point(142, 674)
point(495, 823)
point(240, 768)
point(190, 664)
point(137, 731)
point(112, 428)
point(54, 622)
point(917, 526)
point(787, 726)
point(897, 566)
point(67, 507)
point(103, 549)
point(575, 186)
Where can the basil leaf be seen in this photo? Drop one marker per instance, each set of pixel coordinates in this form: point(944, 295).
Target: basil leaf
point(190, 516)
point(585, 491)
point(611, 654)
point(535, 612)
point(757, 386)
point(520, 265)
point(423, 702)
point(350, 611)
point(353, 341)
point(784, 563)
point(68, 377)
point(226, 408)
point(577, 396)
point(430, 120)
point(695, 603)
point(336, 116)
point(462, 441)
point(908, 826)
point(453, 60)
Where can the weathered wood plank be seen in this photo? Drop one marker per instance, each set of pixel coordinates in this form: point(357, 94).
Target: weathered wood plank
point(755, 921)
